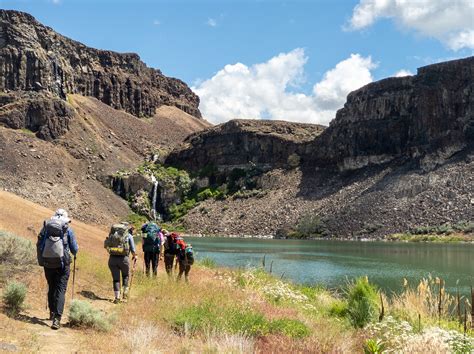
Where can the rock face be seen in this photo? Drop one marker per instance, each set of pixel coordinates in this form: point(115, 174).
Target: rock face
point(245, 143)
point(35, 58)
point(48, 117)
point(424, 119)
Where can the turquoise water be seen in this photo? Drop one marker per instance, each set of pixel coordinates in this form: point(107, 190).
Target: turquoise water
point(331, 263)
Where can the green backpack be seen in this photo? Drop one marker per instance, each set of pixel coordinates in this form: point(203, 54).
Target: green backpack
point(117, 241)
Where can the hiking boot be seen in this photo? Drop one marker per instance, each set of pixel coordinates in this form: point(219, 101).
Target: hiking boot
point(51, 315)
point(125, 293)
point(117, 300)
point(56, 323)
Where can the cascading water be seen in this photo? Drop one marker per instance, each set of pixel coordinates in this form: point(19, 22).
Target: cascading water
point(155, 192)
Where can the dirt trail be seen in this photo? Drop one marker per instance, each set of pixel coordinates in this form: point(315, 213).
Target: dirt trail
point(31, 331)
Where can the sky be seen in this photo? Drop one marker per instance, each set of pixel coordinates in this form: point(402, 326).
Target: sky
point(268, 59)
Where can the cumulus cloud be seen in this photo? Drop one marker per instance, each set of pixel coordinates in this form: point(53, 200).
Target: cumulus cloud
point(263, 90)
point(450, 21)
point(211, 22)
point(402, 73)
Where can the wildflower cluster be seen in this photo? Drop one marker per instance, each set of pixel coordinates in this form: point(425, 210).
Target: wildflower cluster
point(399, 336)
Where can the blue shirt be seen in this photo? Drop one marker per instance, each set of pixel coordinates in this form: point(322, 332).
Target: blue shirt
point(131, 243)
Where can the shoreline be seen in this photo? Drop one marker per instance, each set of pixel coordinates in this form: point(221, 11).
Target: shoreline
point(411, 239)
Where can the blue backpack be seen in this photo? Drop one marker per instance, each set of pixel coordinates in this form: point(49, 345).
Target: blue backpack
point(151, 239)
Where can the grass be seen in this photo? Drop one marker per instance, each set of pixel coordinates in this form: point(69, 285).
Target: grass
point(249, 310)
point(462, 231)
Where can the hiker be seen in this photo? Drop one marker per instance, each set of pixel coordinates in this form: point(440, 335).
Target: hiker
point(55, 240)
point(185, 258)
point(119, 243)
point(151, 245)
point(169, 253)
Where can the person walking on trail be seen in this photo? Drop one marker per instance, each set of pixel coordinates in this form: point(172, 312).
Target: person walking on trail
point(119, 243)
point(169, 250)
point(55, 242)
point(151, 245)
point(185, 258)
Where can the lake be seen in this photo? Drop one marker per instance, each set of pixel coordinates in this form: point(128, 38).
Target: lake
point(331, 263)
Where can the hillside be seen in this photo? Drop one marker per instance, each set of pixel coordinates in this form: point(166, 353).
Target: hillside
point(99, 141)
point(399, 155)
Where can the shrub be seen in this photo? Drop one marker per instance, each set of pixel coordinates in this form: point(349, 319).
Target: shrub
point(178, 211)
point(362, 302)
point(82, 314)
point(247, 322)
point(290, 328)
point(13, 297)
point(207, 262)
point(15, 250)
point(311, 225)
point(339, 308)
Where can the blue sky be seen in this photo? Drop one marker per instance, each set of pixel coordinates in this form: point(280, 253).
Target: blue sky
point(285, 48)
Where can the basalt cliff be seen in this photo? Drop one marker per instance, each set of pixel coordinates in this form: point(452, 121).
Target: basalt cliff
point(399, 154)
point(33, 57)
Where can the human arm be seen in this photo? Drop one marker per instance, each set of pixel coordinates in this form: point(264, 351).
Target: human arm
point(71, 239)
point(131, 244)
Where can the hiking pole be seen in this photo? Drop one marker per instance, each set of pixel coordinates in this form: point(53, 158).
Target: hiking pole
point(131, 277)
point(73, 278)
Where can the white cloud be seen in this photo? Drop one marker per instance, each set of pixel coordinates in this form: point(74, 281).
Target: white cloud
point(156, 22)
point(450, 21)
point(402, 73)
point(261, 90)
point(211, 22)
point(56, 2)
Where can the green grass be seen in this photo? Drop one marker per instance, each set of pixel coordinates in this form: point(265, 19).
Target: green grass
point(207, 262)
point(210, 316)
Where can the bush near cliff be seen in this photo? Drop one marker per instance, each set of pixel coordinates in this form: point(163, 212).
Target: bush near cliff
point(462, 231)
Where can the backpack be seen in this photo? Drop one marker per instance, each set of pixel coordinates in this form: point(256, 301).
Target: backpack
point(150, 243)
point(170, 244)
point(189, 254)
point(117, 241)
point(53, 250)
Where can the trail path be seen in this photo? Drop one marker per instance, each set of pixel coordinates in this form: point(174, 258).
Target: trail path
point(31, 331)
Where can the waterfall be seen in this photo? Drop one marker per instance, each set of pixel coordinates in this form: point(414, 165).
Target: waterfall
point(155, 192)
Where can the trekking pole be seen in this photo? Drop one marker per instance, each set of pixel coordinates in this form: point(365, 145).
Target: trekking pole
point(131, 277)
point(73, 278)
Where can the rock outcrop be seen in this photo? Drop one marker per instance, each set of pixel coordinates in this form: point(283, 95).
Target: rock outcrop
point(425, 119)
point(33, 57)
point(245, 143)
point(48, 117)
